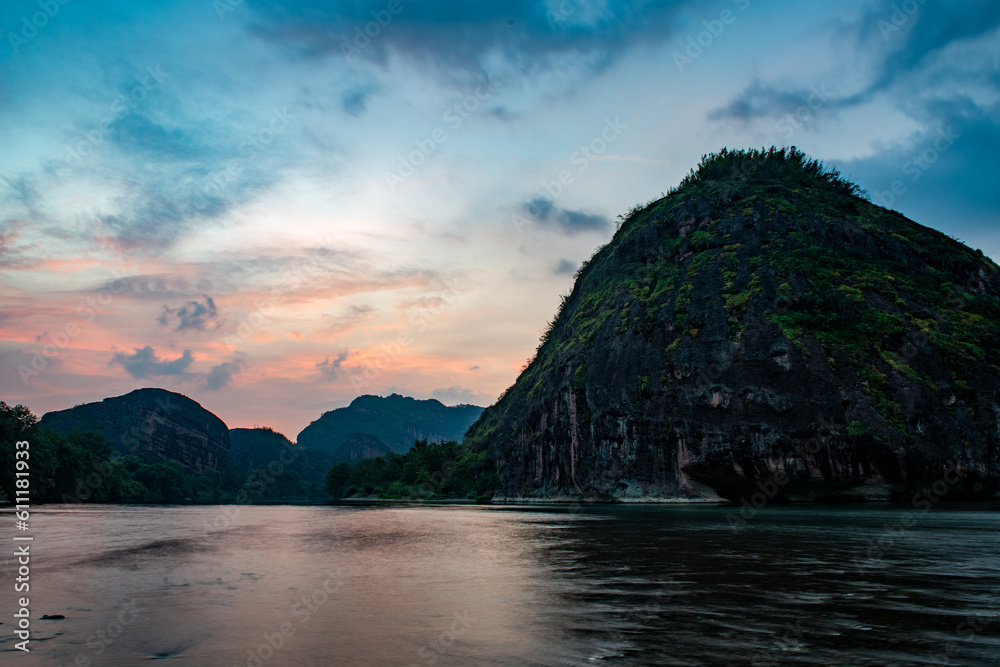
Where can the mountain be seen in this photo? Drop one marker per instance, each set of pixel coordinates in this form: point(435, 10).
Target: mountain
point(295, 471)
point(253, 447)
point(154, 424)
point(761, 332)
point(398, 421)
point(360, 446)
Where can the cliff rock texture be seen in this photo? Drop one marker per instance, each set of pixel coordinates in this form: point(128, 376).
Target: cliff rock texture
point(762, 328)
point(360, 446)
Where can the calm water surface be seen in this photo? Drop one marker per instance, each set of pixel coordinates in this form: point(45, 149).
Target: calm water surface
point(677, 585)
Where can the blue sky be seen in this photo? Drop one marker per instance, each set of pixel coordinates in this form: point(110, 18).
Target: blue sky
point(274, 207)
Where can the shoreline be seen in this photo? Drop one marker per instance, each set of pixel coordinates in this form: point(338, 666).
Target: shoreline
point(651, 500)
point(560, 501)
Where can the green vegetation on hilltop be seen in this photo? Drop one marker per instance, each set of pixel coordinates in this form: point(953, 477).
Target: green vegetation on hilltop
point(773, 165)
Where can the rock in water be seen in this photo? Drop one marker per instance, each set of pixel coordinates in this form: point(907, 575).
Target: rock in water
point(154, 424)
point(763, 329)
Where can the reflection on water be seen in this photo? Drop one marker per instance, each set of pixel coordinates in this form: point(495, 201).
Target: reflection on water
point(256, 586)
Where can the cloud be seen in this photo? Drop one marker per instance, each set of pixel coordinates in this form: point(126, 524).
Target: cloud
point(356, 312)
point(565, 268)
point(331, 368)
point(926, 85)
point(163, 174)
point(222, 374)
point(305, 273)
point(929, 31)
point(163, 196)
point(342, 322)
point(543, 212)
point(422, 303)
point(19, 201)
point(939, 188)
point(12, 254)
point(462, 40)
point(896, 52)
point(192, 315)
point(152, 286)
point(458, 395)
point(137, 134)
point(20, 191)
point(144, 362)
point(760, 100)
point(354, 101)
point(504, 114)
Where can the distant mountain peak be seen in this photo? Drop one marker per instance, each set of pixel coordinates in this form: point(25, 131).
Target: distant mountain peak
point(396, 420)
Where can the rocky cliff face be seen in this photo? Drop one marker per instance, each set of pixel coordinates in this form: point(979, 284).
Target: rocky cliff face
point(154, 424)
point(360, 446)
point(762, 330)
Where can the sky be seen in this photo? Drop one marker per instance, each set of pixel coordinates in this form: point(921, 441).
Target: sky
point(275, 207)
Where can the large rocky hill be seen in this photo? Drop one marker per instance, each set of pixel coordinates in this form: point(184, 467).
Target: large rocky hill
point(360, 446)
point(154, 424)
point(398, 421)
point(761, 329)
point(267, 450)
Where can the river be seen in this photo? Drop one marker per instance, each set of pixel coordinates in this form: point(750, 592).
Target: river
point(467, 585)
